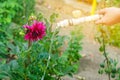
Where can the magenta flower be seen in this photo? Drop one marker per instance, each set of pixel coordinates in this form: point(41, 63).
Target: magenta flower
point(35, 32)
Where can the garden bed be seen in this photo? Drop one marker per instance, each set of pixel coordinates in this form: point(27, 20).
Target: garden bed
point(89, 64)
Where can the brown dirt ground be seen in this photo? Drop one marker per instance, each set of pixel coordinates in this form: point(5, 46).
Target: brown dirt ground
point(90, 63)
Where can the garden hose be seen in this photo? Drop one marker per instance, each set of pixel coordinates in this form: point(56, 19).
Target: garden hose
point(73, 21)
point(69, 22)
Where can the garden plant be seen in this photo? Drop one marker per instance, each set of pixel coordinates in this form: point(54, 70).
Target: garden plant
point(30, 49)
point(109, 65)
point(109, 35)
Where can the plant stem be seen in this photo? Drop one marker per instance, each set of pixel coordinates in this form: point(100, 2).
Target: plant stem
point(108, 65)
point(49, 57)
point(28, 57)
point(29, 45)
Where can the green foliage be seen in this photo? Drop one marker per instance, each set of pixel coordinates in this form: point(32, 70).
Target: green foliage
point(15, 11)
point(48, 59)
point(116, 2)
point(8, 10)
point(109, 65)
point(109, 35)
point(11, 34)
point(23, 13)
point(112, 35)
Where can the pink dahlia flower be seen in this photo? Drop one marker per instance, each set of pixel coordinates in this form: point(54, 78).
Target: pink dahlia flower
point(35, 32)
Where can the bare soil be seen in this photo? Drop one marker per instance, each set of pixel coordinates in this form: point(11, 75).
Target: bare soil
point(89, 64)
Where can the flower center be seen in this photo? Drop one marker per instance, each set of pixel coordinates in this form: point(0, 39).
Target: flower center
point(35, 34)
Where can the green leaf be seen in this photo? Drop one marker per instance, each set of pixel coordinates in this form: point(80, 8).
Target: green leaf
point(102, 65)
point(113, 75)
point(101, 49)
point(14, 64)
point(53, 17)
point(100, 71)
point(4, 77)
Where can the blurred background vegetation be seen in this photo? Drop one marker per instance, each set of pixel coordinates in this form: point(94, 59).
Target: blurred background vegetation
point(112, 32)
point(13, 14)
point(16, 11)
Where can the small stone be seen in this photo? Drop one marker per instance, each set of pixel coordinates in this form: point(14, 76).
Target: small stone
point(80, 78)
point(76, 13)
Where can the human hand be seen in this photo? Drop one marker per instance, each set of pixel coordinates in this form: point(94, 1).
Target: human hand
point(110, 16)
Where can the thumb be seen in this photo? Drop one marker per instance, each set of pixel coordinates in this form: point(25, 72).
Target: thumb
point(102, 11)
point(100, 21)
